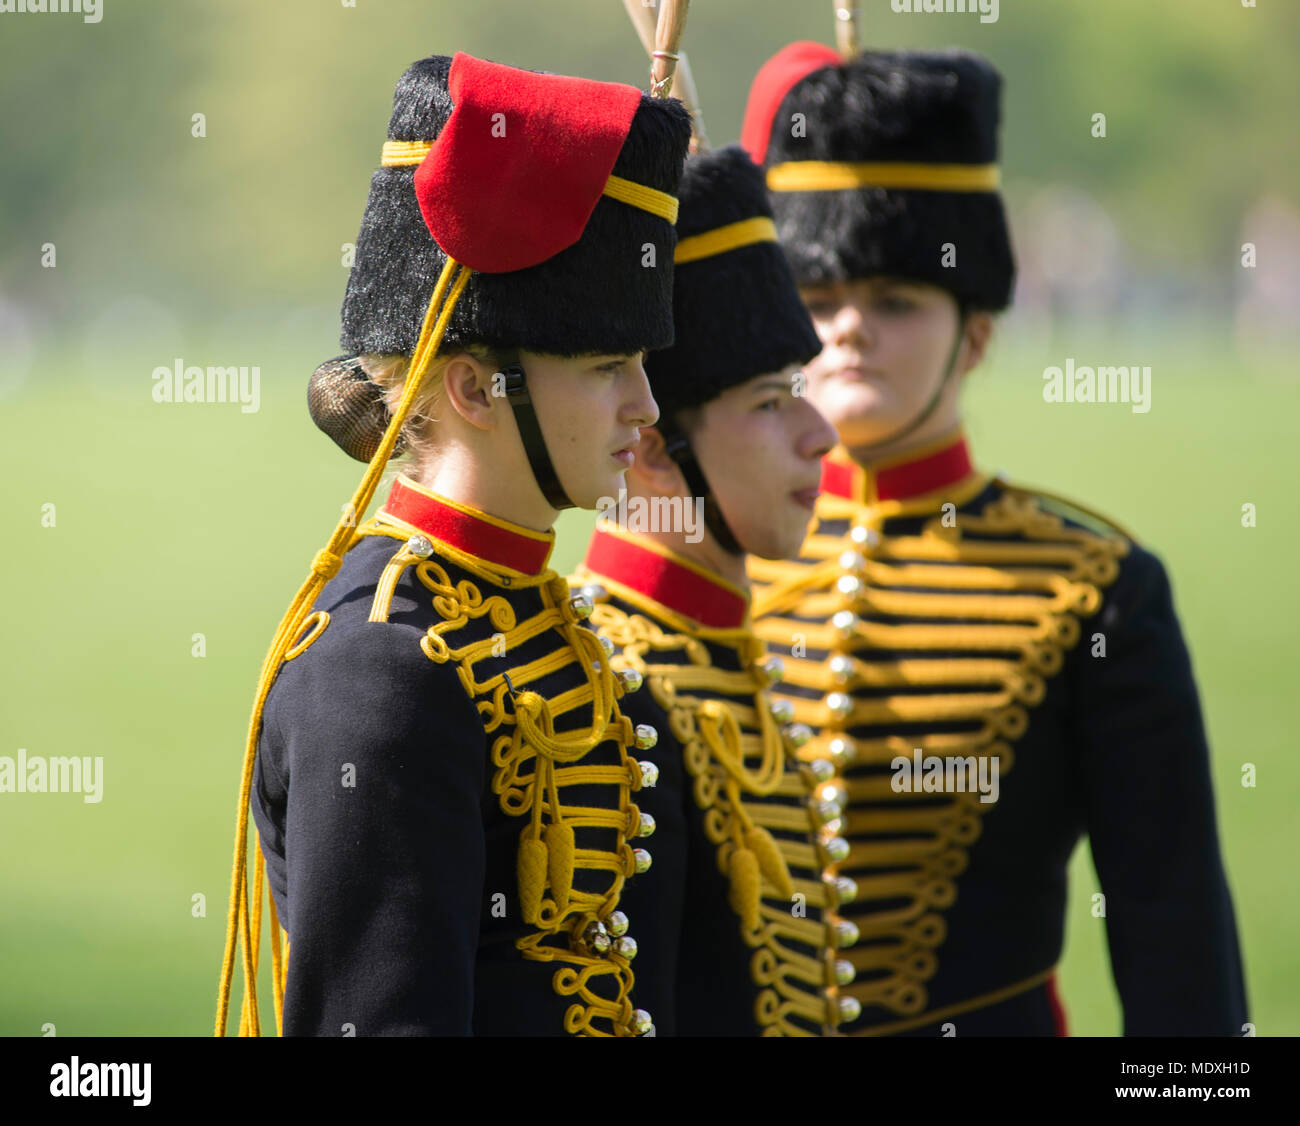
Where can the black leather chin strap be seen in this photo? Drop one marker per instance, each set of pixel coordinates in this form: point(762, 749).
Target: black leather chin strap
point(530, 431)
point(678, 447)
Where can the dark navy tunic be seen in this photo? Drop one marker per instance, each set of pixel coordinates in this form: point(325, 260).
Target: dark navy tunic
point(938, 614)
point(703, 969)
point(391, 807)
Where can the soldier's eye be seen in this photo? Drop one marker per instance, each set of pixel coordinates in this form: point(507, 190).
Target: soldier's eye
point(895, 303)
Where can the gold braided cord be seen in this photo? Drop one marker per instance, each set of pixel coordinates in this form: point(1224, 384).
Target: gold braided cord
point(779, 586)
point(646, 198)
point(728, 788)
point(746, 232)
point(534, 763)
point(1071, 503)
point(451, 284)
point(970, 1004)
point(717, 720)
point(789, 817)
point(529, 738)
point(998, 595)
point(805, 931)
point(834, 175)
point(279, 963)
point(405, 154)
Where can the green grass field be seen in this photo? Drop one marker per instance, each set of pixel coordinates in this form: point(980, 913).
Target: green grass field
point(175, 520)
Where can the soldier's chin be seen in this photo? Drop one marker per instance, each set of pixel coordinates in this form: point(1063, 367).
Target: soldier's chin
point(793, 532)
point(596, 491)
point(780, 535)
point(869, 428)
point(850, 407)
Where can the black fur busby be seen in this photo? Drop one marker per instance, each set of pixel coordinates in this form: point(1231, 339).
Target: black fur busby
point(737, 314)
point(925, 107)
point(544, 308)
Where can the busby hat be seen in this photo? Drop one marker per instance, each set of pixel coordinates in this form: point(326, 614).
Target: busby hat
point(875, 163)
point(550, 188)
point(736, 309)
point(580, 261)
point(512, 210)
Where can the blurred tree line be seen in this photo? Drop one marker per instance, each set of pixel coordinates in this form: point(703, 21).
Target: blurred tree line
point(98, 156)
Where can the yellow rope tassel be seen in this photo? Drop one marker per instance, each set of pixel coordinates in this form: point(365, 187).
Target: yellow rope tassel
point(770, 861)
point(559, 844)
point(451, 284)
point(559, 857)
point(532, 865)
point(745, 886)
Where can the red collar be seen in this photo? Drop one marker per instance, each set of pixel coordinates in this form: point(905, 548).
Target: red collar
point(913, 474)
point(668, 580)
point(468, 529)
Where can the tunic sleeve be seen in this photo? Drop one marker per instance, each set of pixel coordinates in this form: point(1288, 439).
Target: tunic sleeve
point(1149, 808)
point(383, 757)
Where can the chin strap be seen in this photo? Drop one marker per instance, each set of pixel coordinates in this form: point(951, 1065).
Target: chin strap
point(678, 447)
point(530, 432)
point(929, 407)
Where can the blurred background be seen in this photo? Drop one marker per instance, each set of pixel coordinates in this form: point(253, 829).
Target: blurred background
point(129, 242)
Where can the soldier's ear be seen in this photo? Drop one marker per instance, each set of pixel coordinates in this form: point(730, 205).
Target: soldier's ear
point(655, 473)
point(468, 385)
point(978, 331)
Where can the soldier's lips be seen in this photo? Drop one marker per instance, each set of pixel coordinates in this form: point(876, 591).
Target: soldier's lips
point(858, 374)
point(626, 455)
point(807, 497)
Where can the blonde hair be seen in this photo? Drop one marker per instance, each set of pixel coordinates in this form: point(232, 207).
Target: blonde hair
point(420, 430)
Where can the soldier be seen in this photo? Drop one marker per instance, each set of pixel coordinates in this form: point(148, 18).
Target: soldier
point(444, 781)
point(995, 673)
point(739, 936)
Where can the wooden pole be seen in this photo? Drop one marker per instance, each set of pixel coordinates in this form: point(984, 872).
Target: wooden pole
point(645, 17)
point(848, 28)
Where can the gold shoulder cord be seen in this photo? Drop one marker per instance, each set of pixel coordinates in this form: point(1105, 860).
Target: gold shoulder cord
point(720, 746)
point(1010, 579)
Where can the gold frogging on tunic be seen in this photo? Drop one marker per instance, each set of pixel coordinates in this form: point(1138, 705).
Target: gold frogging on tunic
point(998, 596)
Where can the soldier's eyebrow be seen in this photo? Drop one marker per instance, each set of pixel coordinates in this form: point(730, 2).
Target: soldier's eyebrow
point(770, 383)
